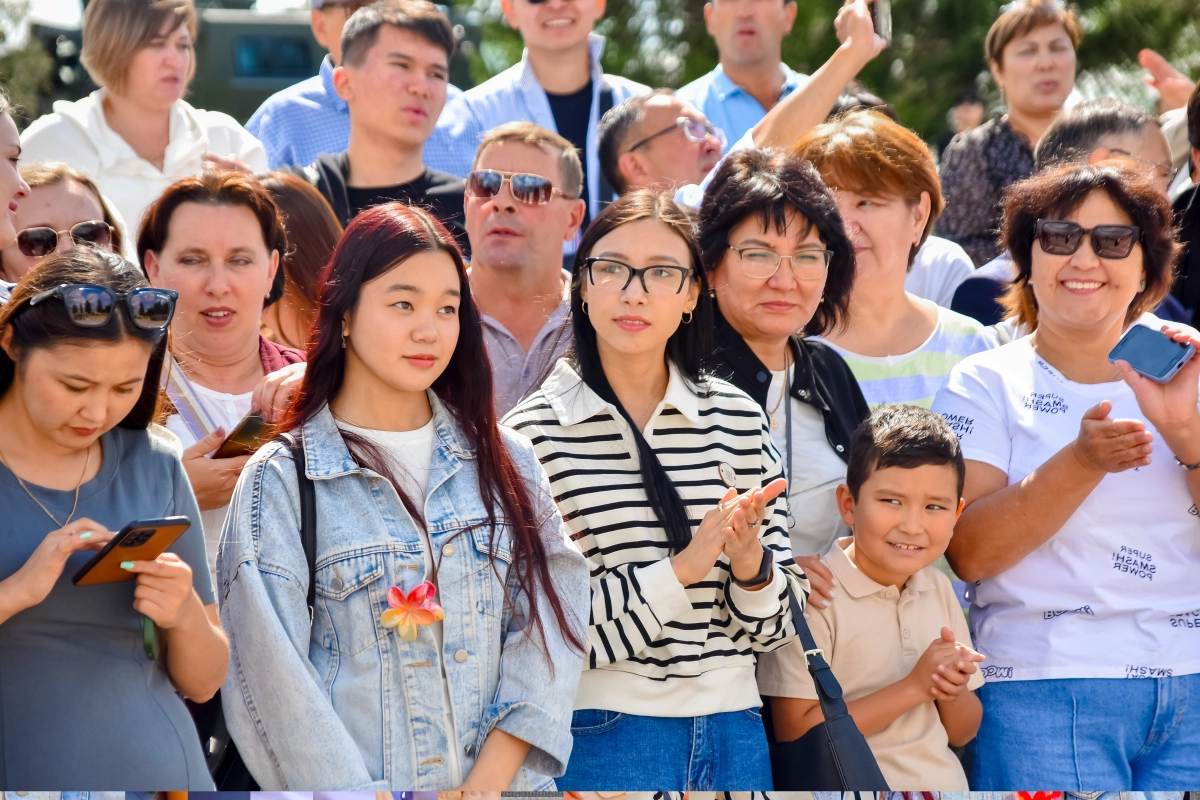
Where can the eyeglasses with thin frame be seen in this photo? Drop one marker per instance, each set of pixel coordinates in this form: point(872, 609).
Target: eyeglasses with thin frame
point(91, 306)
point(693, 130)
point(526, 187)
point(1166, 173)
point(610, 274)
point(41, 241)
point(1063, 238)
point(762, 262)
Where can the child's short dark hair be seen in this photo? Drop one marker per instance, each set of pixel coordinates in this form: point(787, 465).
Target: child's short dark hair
point(902, 436)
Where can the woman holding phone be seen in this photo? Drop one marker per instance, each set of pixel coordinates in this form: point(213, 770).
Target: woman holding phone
point(81, 346)
point(639, 442)
point(444, 641)
point(216, 239)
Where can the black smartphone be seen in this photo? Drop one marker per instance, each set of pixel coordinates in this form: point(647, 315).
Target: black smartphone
point(881, 11)
point(250, 434)
point(144, 540)
point(1152, 353)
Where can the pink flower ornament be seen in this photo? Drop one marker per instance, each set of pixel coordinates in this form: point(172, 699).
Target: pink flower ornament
point(407, 612)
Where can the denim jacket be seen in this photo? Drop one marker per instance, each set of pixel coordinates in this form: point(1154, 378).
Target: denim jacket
point(344, 703)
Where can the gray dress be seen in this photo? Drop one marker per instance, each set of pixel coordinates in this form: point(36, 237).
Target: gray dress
point(81, 707)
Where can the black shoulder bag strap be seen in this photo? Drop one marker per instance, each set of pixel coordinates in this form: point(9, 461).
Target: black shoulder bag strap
point(831, 756)
point(308, 514)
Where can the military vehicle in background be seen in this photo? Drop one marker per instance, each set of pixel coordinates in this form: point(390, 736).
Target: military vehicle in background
point(243, 55)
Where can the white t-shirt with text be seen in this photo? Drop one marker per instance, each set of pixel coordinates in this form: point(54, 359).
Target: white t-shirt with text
point(1115, 592)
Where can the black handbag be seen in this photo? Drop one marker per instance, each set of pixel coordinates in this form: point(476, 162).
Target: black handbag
point(229, 771)
point(834, 755)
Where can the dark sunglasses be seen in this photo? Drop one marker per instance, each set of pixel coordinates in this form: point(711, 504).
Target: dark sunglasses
point(90, 306)
point(41, 242)
point(532, 189)
point(1061, 238)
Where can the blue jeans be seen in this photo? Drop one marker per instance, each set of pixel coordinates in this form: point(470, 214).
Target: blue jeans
point(720, 752)
point(1089, 734)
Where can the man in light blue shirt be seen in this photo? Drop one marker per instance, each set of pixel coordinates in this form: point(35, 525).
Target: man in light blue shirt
point(558, 84)
point(751, 78)
point(308, 119)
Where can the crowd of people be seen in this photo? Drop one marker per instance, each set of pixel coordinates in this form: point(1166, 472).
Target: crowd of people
point(582, 402)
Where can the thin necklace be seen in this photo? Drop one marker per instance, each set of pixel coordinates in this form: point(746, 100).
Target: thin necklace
point(787, 363)
point(87, 459)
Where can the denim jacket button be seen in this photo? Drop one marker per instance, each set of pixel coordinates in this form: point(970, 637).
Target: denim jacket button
point(336, 584)
point(460, 656)
point(448, 550)
point(469, 750)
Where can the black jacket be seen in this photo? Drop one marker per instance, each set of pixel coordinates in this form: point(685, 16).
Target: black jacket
point(1187, 285)
point(443, 196)
point(822, 379)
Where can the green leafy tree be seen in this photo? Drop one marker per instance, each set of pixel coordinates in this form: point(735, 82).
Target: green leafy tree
point(25, 66)
point(937, 51)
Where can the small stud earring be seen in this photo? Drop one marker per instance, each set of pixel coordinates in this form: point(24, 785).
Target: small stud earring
point(343, 340)
point(1142, 286)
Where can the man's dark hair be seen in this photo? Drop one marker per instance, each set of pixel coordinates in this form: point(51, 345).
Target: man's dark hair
point(902, 436)
point(613, 131)
point(418, 16)
point(1077, 131)
point(1193, 118)
point(857, 97)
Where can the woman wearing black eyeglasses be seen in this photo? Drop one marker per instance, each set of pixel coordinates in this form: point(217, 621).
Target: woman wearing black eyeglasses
point(91, 676)
point(1082, 482)
point(672, 489)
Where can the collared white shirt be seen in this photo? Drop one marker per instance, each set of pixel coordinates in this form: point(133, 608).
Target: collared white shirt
point(78, 133)
point(729, 106)
point(515, 95)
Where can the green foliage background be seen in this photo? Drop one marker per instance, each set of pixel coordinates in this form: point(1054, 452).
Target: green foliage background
point(937, 50)
point(25, 67)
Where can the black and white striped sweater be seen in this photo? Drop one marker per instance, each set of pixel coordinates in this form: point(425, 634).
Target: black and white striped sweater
point(657, 648)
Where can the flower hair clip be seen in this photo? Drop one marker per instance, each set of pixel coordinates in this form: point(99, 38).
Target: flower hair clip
point(407, 612)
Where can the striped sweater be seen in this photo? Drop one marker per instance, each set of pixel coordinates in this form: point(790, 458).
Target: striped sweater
point(657, 648)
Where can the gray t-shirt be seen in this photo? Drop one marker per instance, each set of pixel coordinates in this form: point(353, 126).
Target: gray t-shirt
point(80, 705)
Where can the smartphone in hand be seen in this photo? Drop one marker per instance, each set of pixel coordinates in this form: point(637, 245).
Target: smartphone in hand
point(250, 434)
point(881, 11)
point(144, 540)
point(1152, 353)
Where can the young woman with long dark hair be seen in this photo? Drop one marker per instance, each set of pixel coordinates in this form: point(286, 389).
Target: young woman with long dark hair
point(673, 491)
point(445, 642)
point(81, 346)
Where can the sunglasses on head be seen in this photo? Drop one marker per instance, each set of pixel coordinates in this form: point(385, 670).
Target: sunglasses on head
point(91, 306)
point(1062, 238)
point(525, 187)
point(41, 242)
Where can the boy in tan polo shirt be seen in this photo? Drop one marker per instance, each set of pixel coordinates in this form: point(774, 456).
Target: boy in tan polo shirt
point(895, 636)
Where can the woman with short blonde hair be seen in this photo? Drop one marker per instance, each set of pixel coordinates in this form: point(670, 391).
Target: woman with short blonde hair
point(135, 135)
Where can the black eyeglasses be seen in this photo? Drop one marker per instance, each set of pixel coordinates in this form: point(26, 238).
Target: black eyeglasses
point(693, 130)
point(605, 273)
point(41, 242)
point(526, 187)
point(90, 306)
point(1062, 238)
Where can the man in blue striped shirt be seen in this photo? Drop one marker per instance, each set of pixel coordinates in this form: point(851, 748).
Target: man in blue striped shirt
point(751, 77)
point(308, 119)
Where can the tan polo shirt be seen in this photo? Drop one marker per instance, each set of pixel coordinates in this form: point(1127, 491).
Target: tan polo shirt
point(872, 636)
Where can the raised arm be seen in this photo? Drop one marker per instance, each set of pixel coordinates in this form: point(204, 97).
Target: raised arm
point(808, 107)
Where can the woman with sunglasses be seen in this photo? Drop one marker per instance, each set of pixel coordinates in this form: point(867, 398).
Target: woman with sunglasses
point(442, 642)
point(673, 491)
point(216, 240)
point(64, 208)
point(93, 676)
point(1082, 484)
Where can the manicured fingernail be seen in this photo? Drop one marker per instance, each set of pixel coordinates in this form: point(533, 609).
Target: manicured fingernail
point(85, 535)
point(126, 565)
point(832, 593)
point(822, 603)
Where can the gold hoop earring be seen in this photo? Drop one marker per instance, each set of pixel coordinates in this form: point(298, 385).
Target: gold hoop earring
point(584, 306)
point(687, 318)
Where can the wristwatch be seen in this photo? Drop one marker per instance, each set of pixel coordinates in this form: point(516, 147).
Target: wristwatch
point(1188, 467)
point(764, 572)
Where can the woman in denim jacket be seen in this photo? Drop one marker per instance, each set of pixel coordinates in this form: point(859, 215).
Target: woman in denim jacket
point(415, 483)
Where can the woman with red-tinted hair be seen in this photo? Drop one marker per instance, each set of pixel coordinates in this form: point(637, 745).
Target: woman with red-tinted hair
point(216, 239)
point(443, 645)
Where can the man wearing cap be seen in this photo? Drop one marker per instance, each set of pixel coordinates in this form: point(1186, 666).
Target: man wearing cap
point(751, 77)
point(308, 119)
